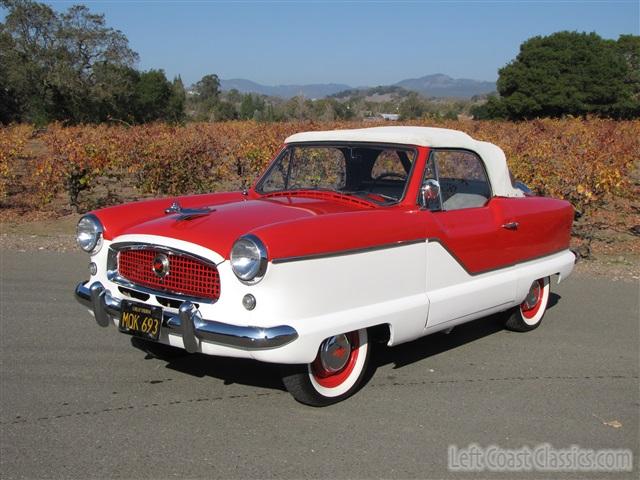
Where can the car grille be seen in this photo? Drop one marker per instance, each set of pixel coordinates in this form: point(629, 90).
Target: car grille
point(186, 275)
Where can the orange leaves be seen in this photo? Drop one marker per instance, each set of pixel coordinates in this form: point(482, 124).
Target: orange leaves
point(13, 140)
point(583, 161)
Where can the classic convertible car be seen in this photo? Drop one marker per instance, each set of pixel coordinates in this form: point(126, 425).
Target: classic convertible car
point(397, 231)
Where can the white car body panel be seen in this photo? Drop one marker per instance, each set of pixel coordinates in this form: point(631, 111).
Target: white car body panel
point(416, 289)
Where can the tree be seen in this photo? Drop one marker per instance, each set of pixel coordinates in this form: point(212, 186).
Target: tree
point(493, 108)
point(113, 95)
point(224, 110)
point(153, 96)
point(207, 93)
point(566, 73)
point(9, 104)
point(177, 101)
point(252, 107)
point(629, 47)
point(52, 61)
point(29, 51)
point(298, 108)
point(208, 88)
point(234, 96)
point(412, 107)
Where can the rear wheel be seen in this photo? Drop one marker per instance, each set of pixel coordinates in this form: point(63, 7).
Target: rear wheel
point(528, 315)
point(335, 374)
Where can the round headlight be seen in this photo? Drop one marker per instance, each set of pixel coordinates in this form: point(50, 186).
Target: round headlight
point(89, 233)
point(249, 259)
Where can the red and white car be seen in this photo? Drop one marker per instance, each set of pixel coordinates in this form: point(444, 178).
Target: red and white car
point(401, 230)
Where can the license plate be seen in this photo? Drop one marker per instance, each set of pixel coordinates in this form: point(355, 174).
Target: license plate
point(140, 319)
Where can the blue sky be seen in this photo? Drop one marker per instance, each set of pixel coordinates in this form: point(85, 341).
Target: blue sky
point(353, 42)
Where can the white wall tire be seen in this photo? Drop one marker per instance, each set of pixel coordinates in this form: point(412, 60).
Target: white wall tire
point(335, 374)
point(528, 315)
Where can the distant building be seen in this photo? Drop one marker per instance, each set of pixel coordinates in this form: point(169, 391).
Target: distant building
point(392, 117)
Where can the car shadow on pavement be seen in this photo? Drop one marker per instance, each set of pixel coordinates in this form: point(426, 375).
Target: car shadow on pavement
point(554, 298)
point(437, 343)
point(265, 375)
point(229, 370)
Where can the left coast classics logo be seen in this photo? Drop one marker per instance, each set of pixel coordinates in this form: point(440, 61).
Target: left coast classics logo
point(161, 265)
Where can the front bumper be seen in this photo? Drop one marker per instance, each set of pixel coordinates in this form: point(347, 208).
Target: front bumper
point(189, 324)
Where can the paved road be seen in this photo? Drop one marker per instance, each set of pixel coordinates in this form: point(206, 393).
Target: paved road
point(78, 401)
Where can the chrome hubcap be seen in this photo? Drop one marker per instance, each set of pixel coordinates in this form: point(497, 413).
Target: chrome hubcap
point(334, 353)
point(532, 297)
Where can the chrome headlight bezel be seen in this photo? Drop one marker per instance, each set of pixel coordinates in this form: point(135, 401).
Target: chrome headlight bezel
point(89, 232)
point(248, 259)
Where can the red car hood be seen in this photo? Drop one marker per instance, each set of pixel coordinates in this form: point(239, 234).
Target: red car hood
point(226, 222)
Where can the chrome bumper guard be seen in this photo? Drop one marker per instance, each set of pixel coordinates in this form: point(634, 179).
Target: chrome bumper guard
point(189, 324)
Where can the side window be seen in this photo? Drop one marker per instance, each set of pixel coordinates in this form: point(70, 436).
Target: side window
point(389, 165)
point(463, 181)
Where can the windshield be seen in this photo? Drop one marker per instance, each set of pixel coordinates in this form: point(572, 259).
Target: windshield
point(374, 173)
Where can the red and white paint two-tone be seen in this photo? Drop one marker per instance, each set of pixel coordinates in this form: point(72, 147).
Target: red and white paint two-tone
point(336, 269)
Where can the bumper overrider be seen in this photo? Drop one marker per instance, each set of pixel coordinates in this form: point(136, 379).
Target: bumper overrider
point(188, 323)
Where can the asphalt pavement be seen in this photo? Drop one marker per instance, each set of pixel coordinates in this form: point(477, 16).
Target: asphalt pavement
point(79, 401)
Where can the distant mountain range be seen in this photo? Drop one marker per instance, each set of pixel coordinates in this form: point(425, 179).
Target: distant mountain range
point(319, 90)
point(437, 85)
point(440, 85)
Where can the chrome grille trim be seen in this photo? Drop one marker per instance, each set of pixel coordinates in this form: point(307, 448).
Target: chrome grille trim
point(115, 277)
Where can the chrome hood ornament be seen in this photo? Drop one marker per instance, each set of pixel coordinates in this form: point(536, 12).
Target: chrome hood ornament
point(187, 213)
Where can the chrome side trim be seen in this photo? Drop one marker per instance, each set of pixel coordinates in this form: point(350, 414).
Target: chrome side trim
point(189, 324)
point(354, 251)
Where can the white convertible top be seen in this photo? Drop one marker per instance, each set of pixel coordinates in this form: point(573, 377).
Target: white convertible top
point(492, 155)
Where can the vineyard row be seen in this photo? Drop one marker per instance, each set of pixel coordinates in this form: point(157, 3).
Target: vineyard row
point(583, 161)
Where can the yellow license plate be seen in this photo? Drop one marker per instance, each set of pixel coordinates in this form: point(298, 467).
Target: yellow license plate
point(140, 319)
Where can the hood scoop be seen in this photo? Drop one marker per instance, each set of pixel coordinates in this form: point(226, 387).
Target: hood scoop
point(187, 213)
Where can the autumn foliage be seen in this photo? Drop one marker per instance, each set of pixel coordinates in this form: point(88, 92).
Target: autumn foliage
point(13, 141)
point(584, 161)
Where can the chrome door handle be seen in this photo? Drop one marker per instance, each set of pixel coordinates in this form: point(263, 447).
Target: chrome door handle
point(511, 225)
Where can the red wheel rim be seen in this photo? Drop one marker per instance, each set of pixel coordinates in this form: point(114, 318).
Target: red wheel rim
point(330, 379)
point(531, 305)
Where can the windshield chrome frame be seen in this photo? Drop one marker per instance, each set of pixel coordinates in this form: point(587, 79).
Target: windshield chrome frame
point(390, 146)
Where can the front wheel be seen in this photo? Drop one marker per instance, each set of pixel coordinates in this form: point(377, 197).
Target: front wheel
point(529, 313)
point(335, 374)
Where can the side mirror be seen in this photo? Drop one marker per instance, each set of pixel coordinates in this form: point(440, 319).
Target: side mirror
point(429, 193)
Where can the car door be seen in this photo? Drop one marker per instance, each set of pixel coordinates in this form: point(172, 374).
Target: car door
point(465, 262)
